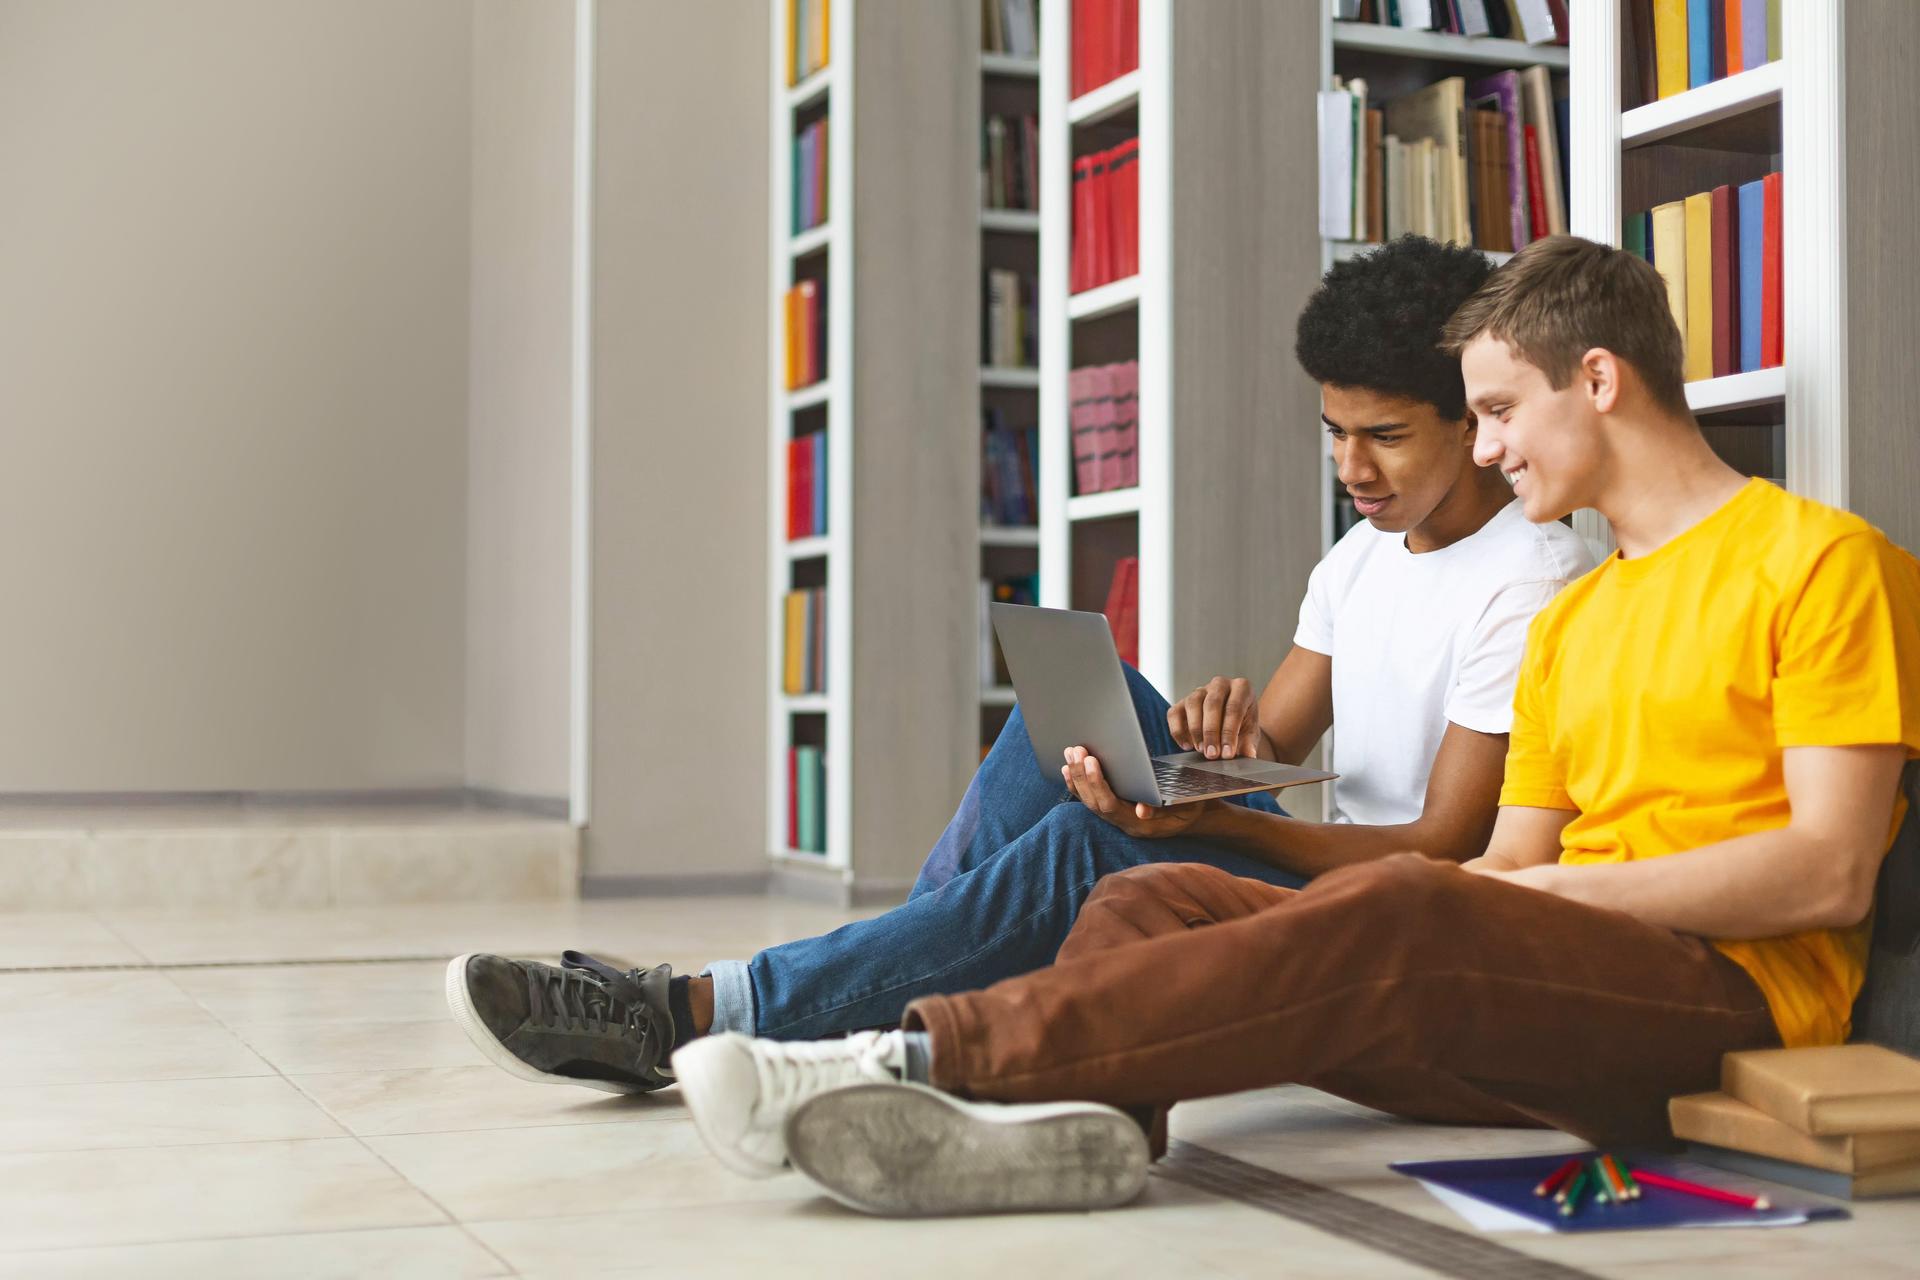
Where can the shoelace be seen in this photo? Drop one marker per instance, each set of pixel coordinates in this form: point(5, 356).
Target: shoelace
point(790, 1072)
point(577, 998)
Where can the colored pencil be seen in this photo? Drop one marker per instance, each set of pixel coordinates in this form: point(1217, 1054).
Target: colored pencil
point(1597, 1175)
point(1574, 1191)
point(1628, 1191)
point(1553, 1181)
point(1695, 1189)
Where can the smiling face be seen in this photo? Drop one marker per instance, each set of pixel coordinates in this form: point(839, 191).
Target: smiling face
point(1398, 458)
point(1548, 444)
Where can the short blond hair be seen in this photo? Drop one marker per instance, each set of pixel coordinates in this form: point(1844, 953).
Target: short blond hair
point(1562, 296)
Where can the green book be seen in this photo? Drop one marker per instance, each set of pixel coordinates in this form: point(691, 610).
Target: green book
point(812, 826)
point(1633, 234)
point(1773, 30)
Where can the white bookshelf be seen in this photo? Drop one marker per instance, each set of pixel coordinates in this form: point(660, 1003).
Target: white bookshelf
point(1222, 519)
point(1834, 115)
point(894, 719)
point(1394, 61)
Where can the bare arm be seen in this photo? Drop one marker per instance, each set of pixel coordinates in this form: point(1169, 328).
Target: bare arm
point(1817, 872)
point(1222, 719)
point(1523, 837)
point(1456, 815)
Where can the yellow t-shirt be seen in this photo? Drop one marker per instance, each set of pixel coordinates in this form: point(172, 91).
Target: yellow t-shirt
point(1657, 694)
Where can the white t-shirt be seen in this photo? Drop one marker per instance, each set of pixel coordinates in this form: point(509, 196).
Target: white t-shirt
point(1421, 640)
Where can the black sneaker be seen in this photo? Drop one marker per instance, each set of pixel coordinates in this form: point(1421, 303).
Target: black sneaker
point(584, 1023)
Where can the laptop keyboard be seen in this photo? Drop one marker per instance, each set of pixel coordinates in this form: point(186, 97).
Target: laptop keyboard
point(1183, 780)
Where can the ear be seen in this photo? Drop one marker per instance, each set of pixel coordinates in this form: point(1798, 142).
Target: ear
point(1600, 377)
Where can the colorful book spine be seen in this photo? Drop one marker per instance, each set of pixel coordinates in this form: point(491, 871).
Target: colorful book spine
point(1772, 287)
point(1752, 202)
point(1699, 223)
point(1670, 258)
point(1670, 46)
point(1726, 281)
point(1699, 42)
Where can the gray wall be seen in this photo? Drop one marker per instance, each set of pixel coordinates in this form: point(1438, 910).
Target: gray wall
point(519, 496)
point(680, 440)
point(233, 383)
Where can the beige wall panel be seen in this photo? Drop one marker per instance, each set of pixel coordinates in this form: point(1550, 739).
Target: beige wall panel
point(233, 328)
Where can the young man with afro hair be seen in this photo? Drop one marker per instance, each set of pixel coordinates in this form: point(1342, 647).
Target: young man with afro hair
point(1408, 645)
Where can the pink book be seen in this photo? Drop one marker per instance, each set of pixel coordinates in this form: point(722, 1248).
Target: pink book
point(1086, 444)
point(1126, 413)
point(1106, 428)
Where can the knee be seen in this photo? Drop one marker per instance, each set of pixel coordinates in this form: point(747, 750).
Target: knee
point(1408, 882)
point(1152, 881)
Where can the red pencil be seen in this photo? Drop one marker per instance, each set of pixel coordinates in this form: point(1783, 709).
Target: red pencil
point(1695, 1189)
point(1552, 1182)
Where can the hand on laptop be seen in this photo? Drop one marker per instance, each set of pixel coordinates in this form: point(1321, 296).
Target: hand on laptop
point(1220, 720)
point(1088, 783)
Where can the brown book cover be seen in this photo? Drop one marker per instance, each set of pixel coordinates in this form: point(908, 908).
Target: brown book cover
point(1832, 1089)
point(1726, 343)
point(1376, 187)
point(1728, 1122)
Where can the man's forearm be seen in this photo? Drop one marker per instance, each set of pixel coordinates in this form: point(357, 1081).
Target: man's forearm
point(1306, 848)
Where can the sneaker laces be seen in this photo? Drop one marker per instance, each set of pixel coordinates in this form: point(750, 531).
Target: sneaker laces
point(577, 998)
point(790, 1072)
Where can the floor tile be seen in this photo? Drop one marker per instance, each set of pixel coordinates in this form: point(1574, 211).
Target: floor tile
point(69, 1199)
point(300, 1048)
point(51, 940)
point(317, 994)
point(416, 1253)
point(157, 1113)
point(449, 1099)
point(71, 1028)
point(571, 1170)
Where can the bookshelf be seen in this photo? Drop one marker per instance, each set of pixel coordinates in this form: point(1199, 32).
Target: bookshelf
point(1009, 240)
point(897, 718)
point(1224, 519)
point(1833, 115)
point(1396, 61)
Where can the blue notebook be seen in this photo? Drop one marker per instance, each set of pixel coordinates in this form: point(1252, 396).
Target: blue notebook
point(1508, 1184)
point(1750, 244)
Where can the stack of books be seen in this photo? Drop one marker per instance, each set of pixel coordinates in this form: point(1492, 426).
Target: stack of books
point(1106, 41)
point(810, 176)
point(1020, 590)
point(1123, 608)
point(1720, 253)
point(1105, 421)
point(806, 334)
point(807, 486)
point(806, 642)
point(1843, 1120)
point(1010, 162)
point(1009, 321)
point(1534, 21)
point(1477, 163)
point(807, 26)
point(1010, 27)
point(1008, 494)
point(1677, 45)
point(1106, 216)
point(806, 799)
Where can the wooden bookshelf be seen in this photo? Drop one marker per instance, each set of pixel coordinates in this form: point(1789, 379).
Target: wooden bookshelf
point(897, 722)
point(1396, 61)
point(1009, 238)
point(1224, 519)
point(1833, 114)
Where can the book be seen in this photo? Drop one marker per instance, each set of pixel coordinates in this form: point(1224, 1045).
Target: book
point(1105, 427)
point(1670, 257)
point(1699, 43)
point(810, 818)
point(1376, 217)
point(1717, 39)
point(1726, 342)
point(1752, 201)
point(1086, 436)
point(1124, 379)
point(1731, 13)
point(1841, 1186)
point(1505, 92)
point(1357, 90)
point(1080, 269)
point(1436, 113)
point(1394, 165)
point(1123, 208)
point(1772, 342)
point(1699, 331)
point(1642, 64)
point(1670, 46)
point(1541, 110)
point(1832, 1089)
point(1724, 1121)
point(1773, 30)
point(1753, 33)
point(1123, 608)
point(1336, 164)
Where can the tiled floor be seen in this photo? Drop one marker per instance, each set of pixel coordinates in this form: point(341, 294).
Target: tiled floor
point(214, 1109)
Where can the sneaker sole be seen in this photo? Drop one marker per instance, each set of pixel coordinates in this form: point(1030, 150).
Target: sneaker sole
point(468, 1019)
point(701, 1102)
point(911, 1151)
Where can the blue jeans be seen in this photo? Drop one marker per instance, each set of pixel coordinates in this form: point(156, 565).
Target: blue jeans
point(995, 900)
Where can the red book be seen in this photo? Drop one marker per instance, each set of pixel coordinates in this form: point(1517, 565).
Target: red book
point(1726, 344)
point(1100, 219)
point(1536, 188)
point(793, 489)
point(1130, 42)
point(1772, 346)
point(1730, 23)
point(1560, 27)
point(1123, 608)
point(1082, 19)
point(1127, 209)
point(1080, 275)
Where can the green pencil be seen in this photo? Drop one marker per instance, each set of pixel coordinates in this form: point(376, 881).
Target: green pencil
point(1575, 1190)
point(1602, 1189)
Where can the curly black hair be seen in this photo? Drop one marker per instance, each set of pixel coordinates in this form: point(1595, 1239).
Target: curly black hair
point(1375, 321)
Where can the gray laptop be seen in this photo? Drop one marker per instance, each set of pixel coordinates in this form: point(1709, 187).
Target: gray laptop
point(1073, 693)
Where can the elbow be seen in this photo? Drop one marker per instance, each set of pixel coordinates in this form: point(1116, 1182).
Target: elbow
point(1846, 897)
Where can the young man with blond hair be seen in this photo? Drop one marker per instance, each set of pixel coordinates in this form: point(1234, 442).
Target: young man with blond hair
point(1701, 783)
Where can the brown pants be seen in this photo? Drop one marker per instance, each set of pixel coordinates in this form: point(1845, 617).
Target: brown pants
point(1403, 984)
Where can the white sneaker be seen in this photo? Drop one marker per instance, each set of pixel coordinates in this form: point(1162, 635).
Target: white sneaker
point(904, 1150)
point(741, 1090)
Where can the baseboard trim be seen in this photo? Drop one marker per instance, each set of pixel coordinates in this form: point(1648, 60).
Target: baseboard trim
point(716, 885)
point(401, 797)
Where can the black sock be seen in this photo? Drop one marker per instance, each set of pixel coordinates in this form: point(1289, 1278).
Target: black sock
point(680, 1007)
